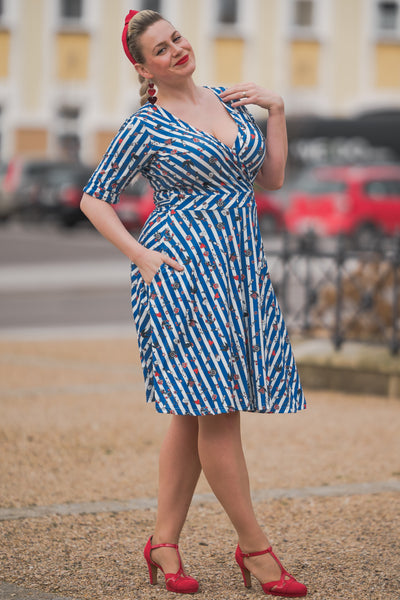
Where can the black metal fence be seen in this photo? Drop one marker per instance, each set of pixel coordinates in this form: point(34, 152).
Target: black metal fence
point(340, 292)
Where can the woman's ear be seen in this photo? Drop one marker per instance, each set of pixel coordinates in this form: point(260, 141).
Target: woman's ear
point(143, 71)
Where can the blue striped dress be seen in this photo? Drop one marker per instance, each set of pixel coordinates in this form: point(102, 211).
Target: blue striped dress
point(212, 338)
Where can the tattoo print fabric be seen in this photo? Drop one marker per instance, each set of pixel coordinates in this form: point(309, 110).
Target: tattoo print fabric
point(212, 338)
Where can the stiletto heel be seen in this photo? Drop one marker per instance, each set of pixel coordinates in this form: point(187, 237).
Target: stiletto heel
point(175, 582)
point(152, 573)
point(286, 587)
point(246, 576)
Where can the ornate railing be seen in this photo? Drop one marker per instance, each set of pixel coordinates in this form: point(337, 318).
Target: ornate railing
point(341, 293)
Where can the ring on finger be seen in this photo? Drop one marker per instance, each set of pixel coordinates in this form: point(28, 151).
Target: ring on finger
point(243, 94)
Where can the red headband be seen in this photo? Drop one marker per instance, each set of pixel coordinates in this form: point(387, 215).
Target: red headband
point(128, 17)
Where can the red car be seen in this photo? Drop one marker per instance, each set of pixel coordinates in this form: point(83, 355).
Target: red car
point(136, 203)
point(359, 201)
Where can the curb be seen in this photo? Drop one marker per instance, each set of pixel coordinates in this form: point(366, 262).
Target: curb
point(352, 380)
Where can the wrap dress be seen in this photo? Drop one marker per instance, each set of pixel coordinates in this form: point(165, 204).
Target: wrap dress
point(212, 337)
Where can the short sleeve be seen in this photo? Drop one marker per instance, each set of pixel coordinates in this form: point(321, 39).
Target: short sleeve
point(125, 157)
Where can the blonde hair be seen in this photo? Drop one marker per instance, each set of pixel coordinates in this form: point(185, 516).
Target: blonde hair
point(136, 28)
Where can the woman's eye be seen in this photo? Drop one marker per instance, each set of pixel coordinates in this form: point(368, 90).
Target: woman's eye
point(160, 50)
point(178, 37)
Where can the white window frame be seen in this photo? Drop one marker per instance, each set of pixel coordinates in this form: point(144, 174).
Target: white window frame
point(241, 29)
point(71, 23)
point(320, 25)
point(221, 23)
point(68, 127)
point(161, 6)
point(385, 34)
point(169, 9)
point(10, 13)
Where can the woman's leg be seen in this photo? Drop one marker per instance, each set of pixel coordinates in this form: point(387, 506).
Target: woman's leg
point(179, 471)
point(223, 462)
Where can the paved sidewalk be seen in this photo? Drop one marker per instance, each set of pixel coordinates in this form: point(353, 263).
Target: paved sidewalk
point(78, 482)
point(9, 591)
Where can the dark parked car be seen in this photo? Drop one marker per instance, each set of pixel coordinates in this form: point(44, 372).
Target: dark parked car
point(4, 208)
point(62, 192)
point(26, 183)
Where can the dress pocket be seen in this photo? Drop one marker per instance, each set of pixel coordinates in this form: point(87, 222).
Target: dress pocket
point(157, 277)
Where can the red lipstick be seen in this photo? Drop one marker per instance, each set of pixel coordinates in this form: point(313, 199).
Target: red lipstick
point(183, 60)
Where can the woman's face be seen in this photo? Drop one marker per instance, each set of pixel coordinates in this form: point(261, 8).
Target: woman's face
point(166, 53)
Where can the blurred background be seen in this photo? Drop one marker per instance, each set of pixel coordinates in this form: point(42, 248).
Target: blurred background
point(66, 86)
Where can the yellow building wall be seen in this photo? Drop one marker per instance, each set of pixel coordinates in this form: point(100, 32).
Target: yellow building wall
point(72, 52)
point(387, 65)
point(346, 48)
point(111, 56)
point(304, 63)
point(190, 17)
point(31, 38)
point(4, 53)
point(228, 57)
point(266, 42)
point(31, 141)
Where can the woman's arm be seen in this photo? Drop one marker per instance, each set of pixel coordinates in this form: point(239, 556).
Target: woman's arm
point(272, 172)
point(106, 221)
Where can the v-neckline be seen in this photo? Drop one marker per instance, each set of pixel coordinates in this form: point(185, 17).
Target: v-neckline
point(201, 131)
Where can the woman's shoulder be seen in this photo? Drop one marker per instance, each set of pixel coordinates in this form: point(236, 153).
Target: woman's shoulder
point(140, 119)
point(142, 114)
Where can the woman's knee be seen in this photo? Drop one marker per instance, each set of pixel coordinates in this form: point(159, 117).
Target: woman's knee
point(228, 423)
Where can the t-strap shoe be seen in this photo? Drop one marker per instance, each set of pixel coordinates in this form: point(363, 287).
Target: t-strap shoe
point(287, 586)
point(175, 582)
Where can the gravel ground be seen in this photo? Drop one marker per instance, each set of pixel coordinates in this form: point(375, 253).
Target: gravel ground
point(343, 549)
point(74, 427)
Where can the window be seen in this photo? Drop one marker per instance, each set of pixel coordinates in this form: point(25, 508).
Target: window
point(227, 12)
point(303, 13)
point(68, 131)
point(388, 18)
point(71, 9)
point(388, 15)
point(384, 187)
point(310, 183)
point(1, 133)
point(151, 5)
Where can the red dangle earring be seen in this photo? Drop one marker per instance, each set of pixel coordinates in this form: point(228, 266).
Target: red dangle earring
point(152, 93)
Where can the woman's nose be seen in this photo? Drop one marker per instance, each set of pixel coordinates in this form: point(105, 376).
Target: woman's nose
point(175, 49)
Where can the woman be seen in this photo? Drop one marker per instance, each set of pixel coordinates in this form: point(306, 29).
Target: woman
point(211, 336)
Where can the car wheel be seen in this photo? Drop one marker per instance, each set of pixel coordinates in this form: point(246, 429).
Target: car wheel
point(368, 237)
point(268, 225)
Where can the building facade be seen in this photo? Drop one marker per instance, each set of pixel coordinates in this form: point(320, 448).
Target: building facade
point(66, 86)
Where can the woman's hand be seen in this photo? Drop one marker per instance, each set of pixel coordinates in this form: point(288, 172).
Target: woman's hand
point(250, 93)
point(149, 261)
point(272, 172)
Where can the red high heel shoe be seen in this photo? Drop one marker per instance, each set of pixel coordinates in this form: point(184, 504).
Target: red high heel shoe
point(175, 582)
point(287, 586)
